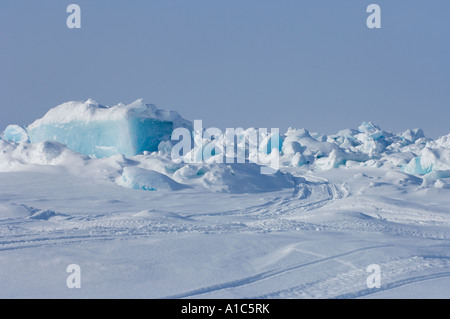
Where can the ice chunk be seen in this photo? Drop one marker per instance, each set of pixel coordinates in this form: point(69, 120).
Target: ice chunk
point(15, 133)
point(370, 145)
point(373, 141)
point(399, 159)
point(144, 179)
point(434, 157)
point(299, 159)
point(291, 148)
point(368, 128)
point(442, 142)
point(412, 135)
point(311, 145)
point(99, 131)
point(334, 160)
point(415, 167)
point(348, 133)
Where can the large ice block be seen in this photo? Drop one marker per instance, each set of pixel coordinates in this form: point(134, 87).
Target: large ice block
point(99, 131)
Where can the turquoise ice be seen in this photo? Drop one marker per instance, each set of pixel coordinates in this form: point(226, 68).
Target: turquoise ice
point(100, 131)
point(15, 133)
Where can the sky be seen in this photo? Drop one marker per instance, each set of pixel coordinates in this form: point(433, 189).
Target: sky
point(310, 64)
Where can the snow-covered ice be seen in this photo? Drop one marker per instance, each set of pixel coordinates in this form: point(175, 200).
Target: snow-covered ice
point(15, 133)
point(96, 130)
point(96, 187)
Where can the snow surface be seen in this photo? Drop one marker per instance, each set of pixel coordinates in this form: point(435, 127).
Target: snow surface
point(143, 226)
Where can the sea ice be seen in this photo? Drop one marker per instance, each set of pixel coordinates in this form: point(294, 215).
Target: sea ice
point(15, 133)
point(98, 131)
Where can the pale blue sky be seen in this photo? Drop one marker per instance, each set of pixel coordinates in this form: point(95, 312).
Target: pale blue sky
point(263, 63)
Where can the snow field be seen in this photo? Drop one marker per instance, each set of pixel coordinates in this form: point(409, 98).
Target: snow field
point(143, 226)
